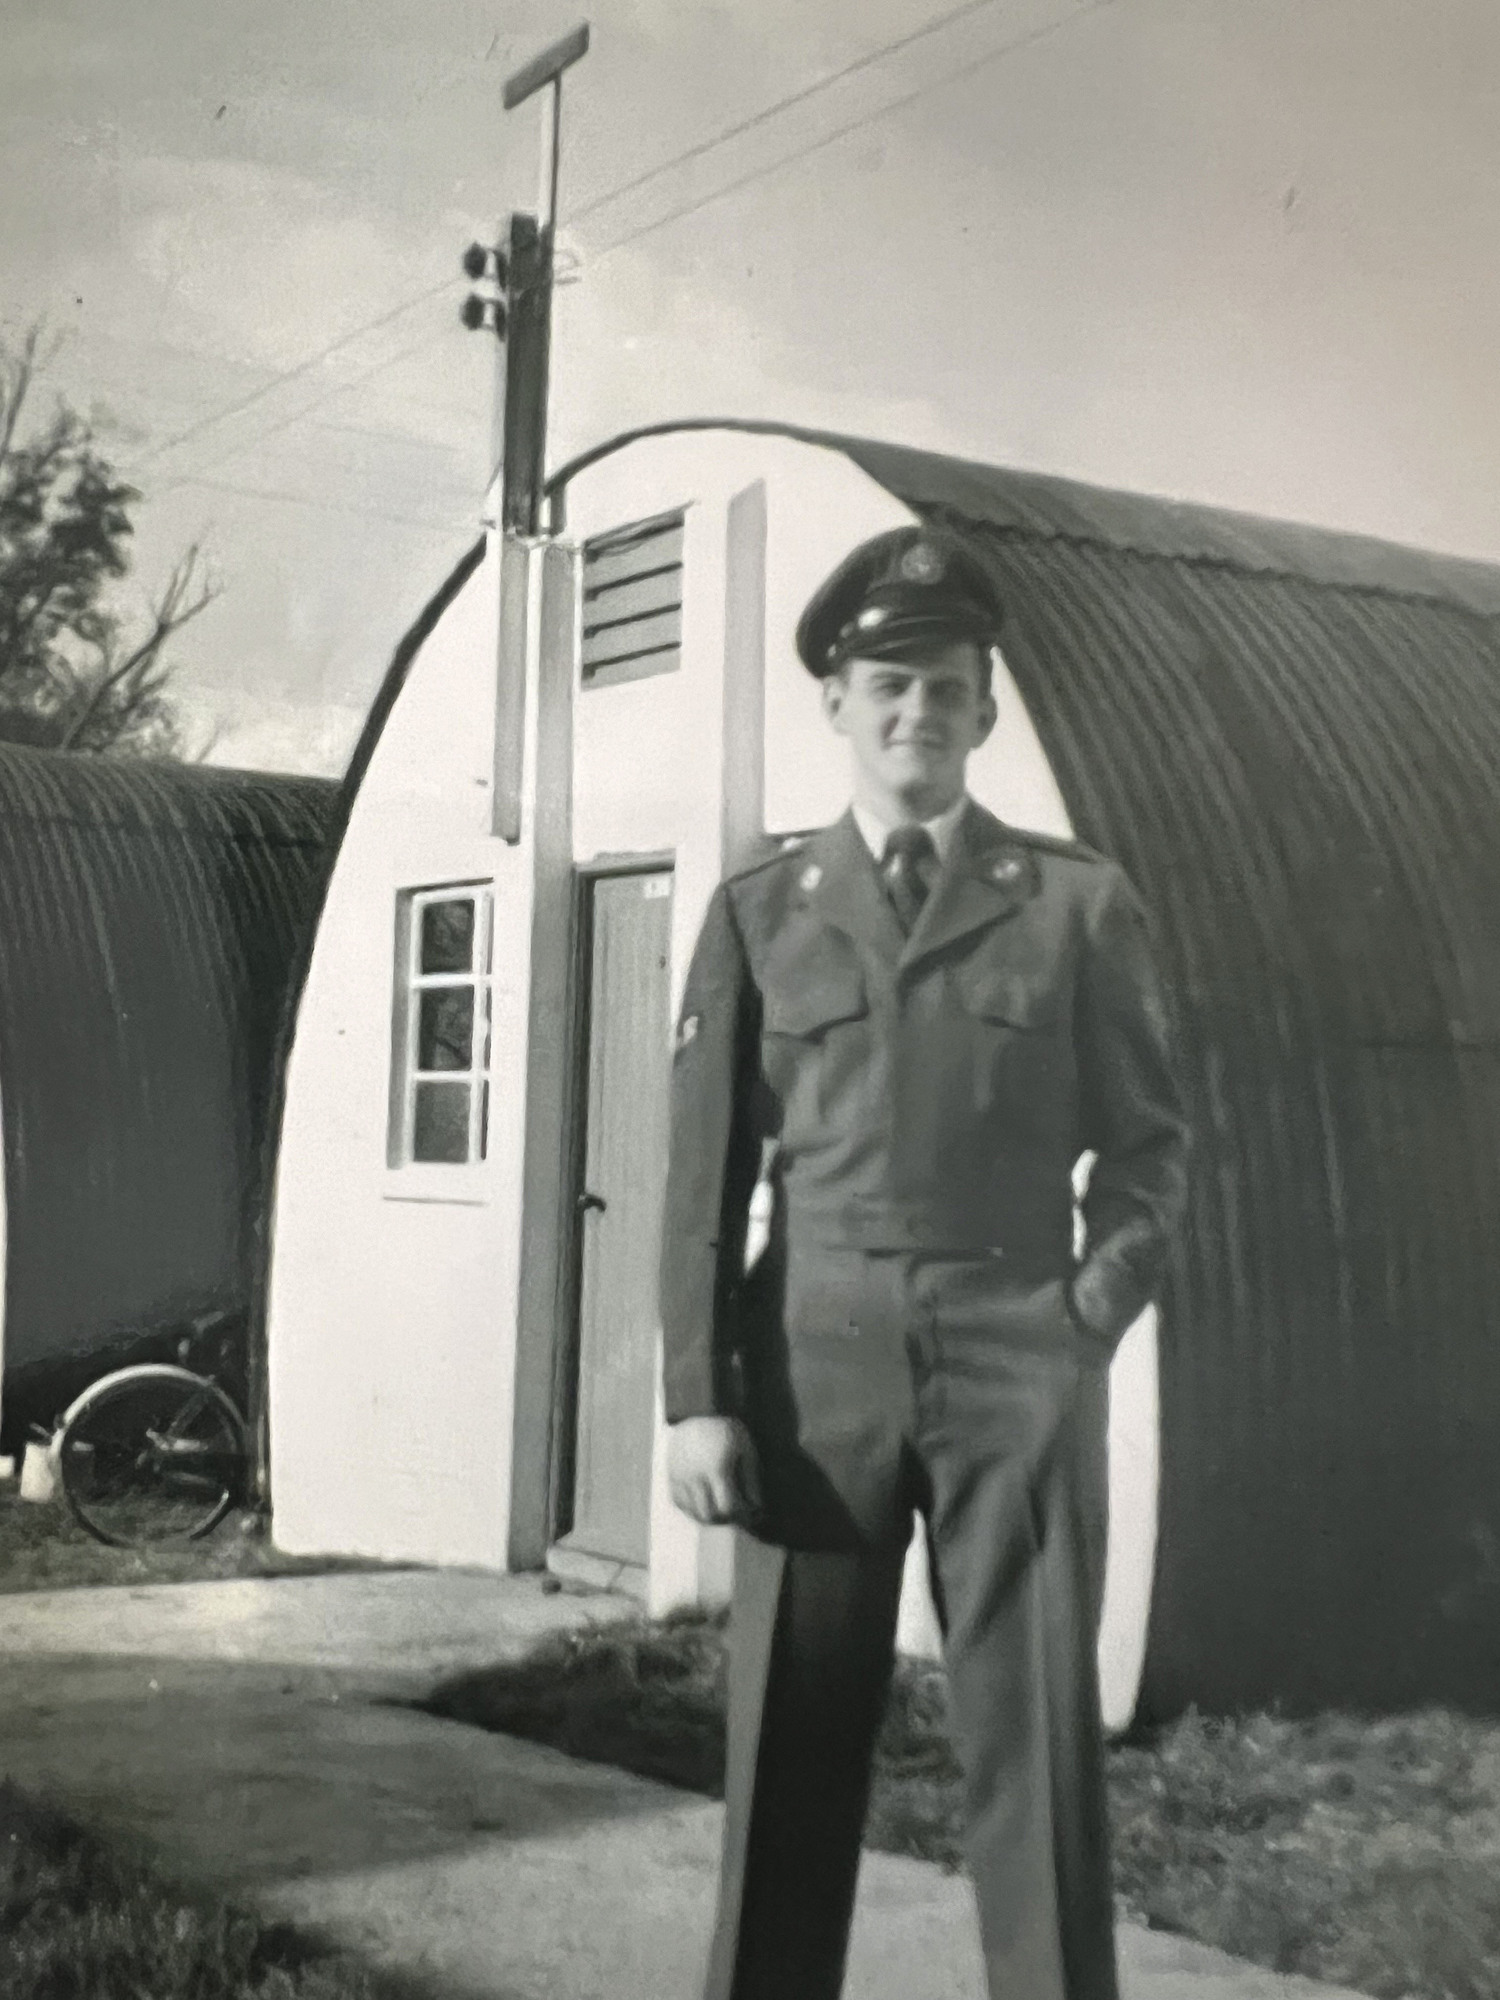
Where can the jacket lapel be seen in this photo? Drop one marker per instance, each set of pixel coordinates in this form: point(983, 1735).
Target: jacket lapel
point(988, 875)
point(840, 886)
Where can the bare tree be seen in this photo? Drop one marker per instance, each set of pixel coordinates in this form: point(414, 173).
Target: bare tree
point(75, 673)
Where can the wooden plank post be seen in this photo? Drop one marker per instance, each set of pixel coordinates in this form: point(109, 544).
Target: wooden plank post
point(510, 689)
point(526, 324)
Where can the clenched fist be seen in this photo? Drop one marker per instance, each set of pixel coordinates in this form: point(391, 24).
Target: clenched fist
point(712, 1470)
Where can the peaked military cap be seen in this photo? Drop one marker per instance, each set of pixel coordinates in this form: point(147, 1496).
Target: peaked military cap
point(910, 587)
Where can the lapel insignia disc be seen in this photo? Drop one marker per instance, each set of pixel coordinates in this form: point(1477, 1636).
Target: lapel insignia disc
point(687, 1029)
point(809, 879)
point(1007, 869)
point(921, 564)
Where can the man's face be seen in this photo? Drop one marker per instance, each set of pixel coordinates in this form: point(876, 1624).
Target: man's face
point(911, 725)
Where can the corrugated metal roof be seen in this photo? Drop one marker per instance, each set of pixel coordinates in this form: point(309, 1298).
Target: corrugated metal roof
point(1049, 508)
point(148, 918)
point(1301, 779)
point(1291, 739)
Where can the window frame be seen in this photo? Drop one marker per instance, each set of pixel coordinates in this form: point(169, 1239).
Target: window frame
point(457, 1180)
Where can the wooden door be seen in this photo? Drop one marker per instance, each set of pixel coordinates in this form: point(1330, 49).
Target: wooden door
point(628, 1065)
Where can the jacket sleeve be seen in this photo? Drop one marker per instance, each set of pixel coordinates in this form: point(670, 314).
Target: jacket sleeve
point(712, 1160)
point(1133, 1119)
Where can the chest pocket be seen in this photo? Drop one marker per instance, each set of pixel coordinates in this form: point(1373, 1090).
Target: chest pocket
point(1010, 999)
point(807, 1007)
point(811, 983)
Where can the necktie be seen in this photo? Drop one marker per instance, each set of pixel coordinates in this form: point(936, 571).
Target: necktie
point(906, 868)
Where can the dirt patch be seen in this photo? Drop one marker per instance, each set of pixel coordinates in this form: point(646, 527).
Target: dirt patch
point(42, 1547)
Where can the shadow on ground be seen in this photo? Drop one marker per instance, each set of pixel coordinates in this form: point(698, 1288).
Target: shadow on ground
point(253, 1775)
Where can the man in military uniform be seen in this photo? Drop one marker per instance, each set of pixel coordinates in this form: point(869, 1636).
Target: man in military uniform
point(913, 1026)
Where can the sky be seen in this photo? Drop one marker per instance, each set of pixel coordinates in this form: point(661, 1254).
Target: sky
point(1239, 251)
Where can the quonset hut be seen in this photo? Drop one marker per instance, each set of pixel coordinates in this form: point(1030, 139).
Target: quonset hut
point(1289, 738)
point(149, 914)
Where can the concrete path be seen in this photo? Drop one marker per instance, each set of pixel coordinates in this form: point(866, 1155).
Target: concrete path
point(250, 1736)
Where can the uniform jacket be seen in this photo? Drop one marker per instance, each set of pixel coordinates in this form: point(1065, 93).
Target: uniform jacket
point(929, 1093)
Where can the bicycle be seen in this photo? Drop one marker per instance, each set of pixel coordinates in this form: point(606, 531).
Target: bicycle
point(156, 1452)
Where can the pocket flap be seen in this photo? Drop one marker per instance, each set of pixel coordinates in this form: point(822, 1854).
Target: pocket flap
point(832, 996)
point(1018, 999)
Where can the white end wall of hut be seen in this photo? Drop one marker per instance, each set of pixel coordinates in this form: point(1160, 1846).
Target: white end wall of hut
point(391, 1320)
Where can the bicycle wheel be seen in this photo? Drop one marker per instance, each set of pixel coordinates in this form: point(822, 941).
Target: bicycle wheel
point(150, 1455)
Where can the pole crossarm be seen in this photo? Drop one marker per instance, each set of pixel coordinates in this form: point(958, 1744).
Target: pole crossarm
point(545, 68)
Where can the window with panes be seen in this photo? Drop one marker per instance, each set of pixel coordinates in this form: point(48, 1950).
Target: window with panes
point(441, 1095)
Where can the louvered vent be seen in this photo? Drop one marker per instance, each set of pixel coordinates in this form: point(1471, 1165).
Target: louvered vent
point(632, 601)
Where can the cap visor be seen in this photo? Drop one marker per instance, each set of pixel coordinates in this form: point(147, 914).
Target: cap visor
point(902, 637)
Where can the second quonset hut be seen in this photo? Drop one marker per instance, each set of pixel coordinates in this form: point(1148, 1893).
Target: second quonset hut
point(150, 917)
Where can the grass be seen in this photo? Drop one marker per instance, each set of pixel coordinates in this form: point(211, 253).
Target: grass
point(78, 1922)
point(42, 1547)
point(1364, 1853)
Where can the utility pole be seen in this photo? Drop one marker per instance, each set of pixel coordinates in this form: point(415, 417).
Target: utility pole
point(532, 249)
point(519, 313)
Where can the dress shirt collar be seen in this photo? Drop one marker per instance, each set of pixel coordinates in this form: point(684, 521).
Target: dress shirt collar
point(875, 830)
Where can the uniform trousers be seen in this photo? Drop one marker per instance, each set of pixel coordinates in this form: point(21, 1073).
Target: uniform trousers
point(878, 1386)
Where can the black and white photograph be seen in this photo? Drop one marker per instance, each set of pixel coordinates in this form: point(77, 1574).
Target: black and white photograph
point(750, 1000)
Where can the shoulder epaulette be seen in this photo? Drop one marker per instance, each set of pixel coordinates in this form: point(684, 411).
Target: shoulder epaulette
point(1054, 843)
point(784, 846)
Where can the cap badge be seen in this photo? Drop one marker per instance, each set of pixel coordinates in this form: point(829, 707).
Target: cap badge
point(872, 615)
point(809, 879)
point(920, 564)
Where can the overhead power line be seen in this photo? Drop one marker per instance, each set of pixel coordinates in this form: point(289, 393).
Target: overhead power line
point(327, 506)
point(297, 416)
point(699, 151)
point(304, 367)
point(758, 118)
point(787, 103)
point(827, 139)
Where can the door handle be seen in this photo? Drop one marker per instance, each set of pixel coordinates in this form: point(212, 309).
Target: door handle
point(588, 1201)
